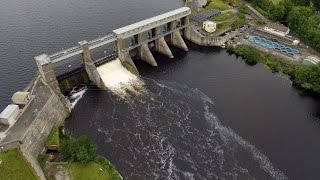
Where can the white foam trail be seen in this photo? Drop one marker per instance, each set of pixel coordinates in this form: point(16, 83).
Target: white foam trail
point(119, 80)
point(77, 95)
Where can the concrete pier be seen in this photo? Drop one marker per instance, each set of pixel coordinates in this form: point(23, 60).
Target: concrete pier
point(146, 55)
point(163, 48)
point(90, 67)
point(47, 72)
point(128, 63)
point(178, 41)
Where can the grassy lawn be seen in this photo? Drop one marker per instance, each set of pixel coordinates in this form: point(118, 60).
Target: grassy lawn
point(53, 137)
point(217, 4)
point(223, 16)
point(14, 166)
point(222, 27)
point(79, 171)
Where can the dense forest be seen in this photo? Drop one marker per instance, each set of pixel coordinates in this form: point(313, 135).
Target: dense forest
point(299, 15)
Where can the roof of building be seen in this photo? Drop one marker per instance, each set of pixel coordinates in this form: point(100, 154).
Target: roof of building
point(7, 112)
point(209, 22)
point(277, 26)
point(20, 97)
point(152, 20)
point(204, 16)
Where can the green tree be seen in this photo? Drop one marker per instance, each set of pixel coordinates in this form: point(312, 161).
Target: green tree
point(308, 78)
point(86, 151)
point(80, 150)
point(69, 148)
point(277, 12)
point(297, 16)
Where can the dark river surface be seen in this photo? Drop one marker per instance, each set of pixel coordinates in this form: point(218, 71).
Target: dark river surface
point(204, 115)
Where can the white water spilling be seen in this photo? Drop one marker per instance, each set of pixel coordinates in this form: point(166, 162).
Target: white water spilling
point(76, 95)
point(119, 80)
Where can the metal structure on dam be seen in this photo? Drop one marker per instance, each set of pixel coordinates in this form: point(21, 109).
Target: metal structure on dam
point(138, 38)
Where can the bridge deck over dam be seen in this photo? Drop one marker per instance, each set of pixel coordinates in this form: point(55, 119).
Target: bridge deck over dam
point(137, 37)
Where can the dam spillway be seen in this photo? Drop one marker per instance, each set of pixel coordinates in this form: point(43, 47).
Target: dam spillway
point(118, 79)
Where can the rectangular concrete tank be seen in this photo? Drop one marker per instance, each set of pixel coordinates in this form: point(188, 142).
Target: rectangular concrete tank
point(9, 114)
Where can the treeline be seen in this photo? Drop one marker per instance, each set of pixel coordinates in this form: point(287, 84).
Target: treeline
point(306, 77)
point(298, 15)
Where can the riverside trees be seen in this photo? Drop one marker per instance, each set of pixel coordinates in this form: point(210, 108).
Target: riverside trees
point(306, 77)
point(80, 150)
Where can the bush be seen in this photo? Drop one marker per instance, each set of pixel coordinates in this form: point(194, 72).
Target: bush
point(80, 150)
point(42, 159)
point(251, 57)
point(308, 78)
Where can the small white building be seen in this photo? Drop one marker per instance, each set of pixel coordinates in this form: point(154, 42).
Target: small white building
point(209, 26)
point(276, 28)
point(9, 114)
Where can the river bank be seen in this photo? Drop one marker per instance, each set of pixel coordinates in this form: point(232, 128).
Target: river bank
point(305, 77)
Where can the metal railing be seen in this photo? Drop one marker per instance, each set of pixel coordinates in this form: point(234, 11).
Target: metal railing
point(76, 50)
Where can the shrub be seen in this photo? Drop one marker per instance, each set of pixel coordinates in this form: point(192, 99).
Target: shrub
point(80, 150)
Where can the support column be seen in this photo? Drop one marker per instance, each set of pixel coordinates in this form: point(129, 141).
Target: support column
point(128, 63)
point(178, 41)
point(187, 21)
point(47, 73)
point(161, 45)
point(146, 55)
point(125, 57)
point(90, 67)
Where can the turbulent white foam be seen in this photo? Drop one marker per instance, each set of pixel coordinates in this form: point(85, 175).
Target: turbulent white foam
point(119, 80)
point(161, 134)
point(77, 95)
point(227, 134)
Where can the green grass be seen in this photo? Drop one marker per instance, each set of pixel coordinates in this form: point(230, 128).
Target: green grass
point(42, 158)
point(114, 174)
point(222, 27)
point(223, 16)
point(88, 171)
point(218, 4)
point(15, 166)
point(53, 137)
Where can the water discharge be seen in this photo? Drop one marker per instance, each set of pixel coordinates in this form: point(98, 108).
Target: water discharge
point(171, 133)
point(119, 80)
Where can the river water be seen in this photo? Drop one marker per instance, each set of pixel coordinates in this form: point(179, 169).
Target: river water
point(203, 115)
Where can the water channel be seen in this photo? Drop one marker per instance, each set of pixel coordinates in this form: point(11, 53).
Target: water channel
point(203, 115)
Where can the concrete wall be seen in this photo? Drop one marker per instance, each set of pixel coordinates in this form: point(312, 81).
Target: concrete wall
point(33, 127)
point(9, 145)
point(53, 113)
point(197, 38)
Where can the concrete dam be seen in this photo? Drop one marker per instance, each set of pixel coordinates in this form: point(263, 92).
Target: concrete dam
point(135, 40)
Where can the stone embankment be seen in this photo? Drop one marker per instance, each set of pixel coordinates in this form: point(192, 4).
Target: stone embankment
point(45, 110)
